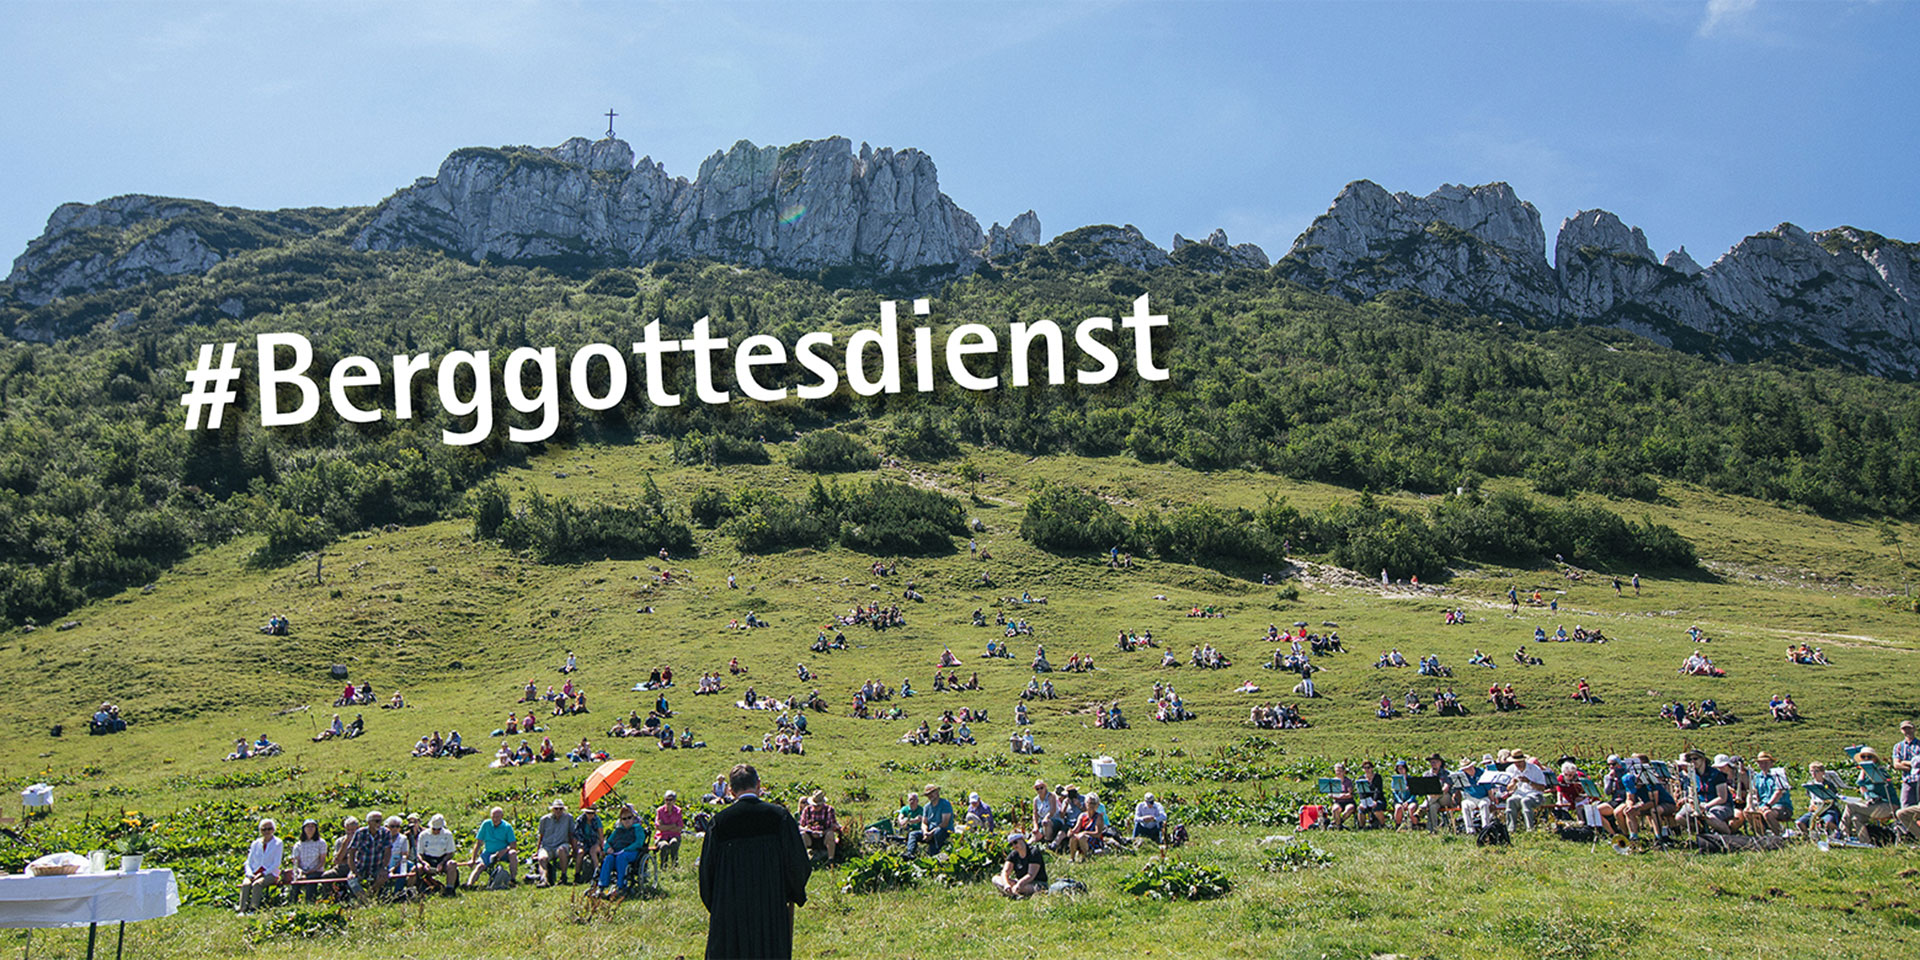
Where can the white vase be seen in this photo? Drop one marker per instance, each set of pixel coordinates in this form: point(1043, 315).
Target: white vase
point(130, 863)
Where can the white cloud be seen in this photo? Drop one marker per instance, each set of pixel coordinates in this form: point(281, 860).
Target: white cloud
point(1724, 14)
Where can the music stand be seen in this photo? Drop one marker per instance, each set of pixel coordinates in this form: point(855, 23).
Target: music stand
point(1423, 786)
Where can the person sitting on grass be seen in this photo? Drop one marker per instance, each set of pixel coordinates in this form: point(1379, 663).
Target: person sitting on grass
point(494, 842)
point(1025, 872)
point(334, 731)
point(936, 824)
point(1088, 836)
point(979, 815)
point(907, 818)
point(1149, 819)
point(819, 828)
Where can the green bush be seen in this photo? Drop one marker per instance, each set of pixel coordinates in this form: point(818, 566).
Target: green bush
point(1067, 519)
point(556, 529)
point(1298, 855)
point(831, 451)
point(717, 449)
point(880, 870)
point(299, 923)
point(1176, 880)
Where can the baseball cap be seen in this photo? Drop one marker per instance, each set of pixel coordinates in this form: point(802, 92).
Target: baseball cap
point(1613, 758)
point(1721, 759)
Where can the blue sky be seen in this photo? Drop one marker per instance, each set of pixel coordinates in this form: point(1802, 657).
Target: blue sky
point(1701, 122)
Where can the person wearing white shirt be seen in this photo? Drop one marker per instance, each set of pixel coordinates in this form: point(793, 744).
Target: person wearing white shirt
point(264, 856)
point(435, 848)
point(1524, 796)
point(310, 859)
point(1148, 818)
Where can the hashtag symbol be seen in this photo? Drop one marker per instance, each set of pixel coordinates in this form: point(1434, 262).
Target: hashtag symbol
point(211, 388)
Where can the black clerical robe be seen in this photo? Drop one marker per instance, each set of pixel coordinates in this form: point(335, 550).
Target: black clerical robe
point(753, 872)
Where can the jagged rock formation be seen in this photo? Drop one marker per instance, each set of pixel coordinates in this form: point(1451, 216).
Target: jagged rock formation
point(866, 214)
point(1024, 231)
point(1216, 253)
point(1481, 246)
point(1845, 293)
point(810, 206)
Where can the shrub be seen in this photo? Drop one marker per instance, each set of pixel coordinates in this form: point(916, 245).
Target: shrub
point(881, 870)
point(1068, 519)
point(717, 449)
point(831, 451)
point(555, 529)
point(300, 923)
point(969, 859)
point(889, 517)
point(1176, 880)
point(1298, 855)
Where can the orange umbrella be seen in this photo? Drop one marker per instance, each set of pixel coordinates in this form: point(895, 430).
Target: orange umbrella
point(600, 782)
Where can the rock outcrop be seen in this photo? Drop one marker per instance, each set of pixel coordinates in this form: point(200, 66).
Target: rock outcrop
point(1024, 231)
point(1481, 246)
point(864, 215)
point(130, 240)
point(1846, 293)
point(1216, 253)
point(811, 206)
point(1126, 246)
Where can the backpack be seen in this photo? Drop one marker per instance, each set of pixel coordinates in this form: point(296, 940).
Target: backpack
point(500, 877)
point(1494, 835)
point(1066, 885)
point(1879, 834)
point(1177, 835)
point(1576, 833)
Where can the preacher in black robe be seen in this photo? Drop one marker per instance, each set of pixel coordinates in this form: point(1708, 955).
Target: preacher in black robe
point(753, 872)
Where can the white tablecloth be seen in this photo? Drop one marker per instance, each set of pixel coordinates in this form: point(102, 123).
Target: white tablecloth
point(87, 898)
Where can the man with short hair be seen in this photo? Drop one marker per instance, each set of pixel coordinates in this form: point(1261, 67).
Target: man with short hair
point(493, 841)
point(936, 824)
point(556, 844)
point(1906, 764)
point(367, 862)
point(753, 873)
point(1149, 817)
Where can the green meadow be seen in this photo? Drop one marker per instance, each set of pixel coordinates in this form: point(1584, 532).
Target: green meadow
point(459, 627)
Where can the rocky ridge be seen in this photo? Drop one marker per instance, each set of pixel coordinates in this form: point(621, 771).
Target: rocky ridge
point(1846, 294)
point(822, 206)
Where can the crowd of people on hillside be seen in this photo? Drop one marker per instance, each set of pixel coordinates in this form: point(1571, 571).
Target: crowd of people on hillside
point(1632, 795)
